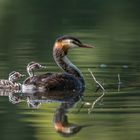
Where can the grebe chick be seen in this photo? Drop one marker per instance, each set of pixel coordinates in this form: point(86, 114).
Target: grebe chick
point(33, 66)
point(11, 82)
point(72, 79)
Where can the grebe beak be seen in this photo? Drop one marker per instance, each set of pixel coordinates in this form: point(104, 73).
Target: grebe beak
point(86, 46)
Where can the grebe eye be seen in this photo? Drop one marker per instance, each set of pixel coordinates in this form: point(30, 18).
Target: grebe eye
point(75, 43)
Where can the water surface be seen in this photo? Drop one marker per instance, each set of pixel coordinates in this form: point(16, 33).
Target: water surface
point(28, 30)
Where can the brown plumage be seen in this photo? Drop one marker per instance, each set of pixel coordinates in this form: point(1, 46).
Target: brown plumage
point(55, 81)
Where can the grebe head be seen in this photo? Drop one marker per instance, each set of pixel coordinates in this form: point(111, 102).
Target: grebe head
point(14, 75)
point(33, 66)
point(66, 42)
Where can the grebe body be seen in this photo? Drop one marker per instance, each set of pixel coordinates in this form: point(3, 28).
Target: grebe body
point(54, 81)
point(71, 79)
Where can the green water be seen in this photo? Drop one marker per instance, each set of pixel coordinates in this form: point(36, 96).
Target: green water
point(28, 29)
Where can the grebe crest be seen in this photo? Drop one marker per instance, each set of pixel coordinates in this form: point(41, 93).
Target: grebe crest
point(66, 42)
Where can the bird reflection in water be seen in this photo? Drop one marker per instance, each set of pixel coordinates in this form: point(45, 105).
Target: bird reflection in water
point(67, 101)
point(61, 123)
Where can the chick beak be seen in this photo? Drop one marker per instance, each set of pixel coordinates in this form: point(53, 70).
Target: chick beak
point(43, 67)
point(23, 75)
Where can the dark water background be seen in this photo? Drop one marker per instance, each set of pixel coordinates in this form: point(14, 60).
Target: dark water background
point(28, 29)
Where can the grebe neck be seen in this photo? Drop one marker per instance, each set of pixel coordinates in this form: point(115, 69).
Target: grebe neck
point(30, 72)
point(65, 64)
point(11, 79)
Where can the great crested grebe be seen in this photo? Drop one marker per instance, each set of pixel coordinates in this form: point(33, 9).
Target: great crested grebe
point(11, 82)
point(72, 79)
